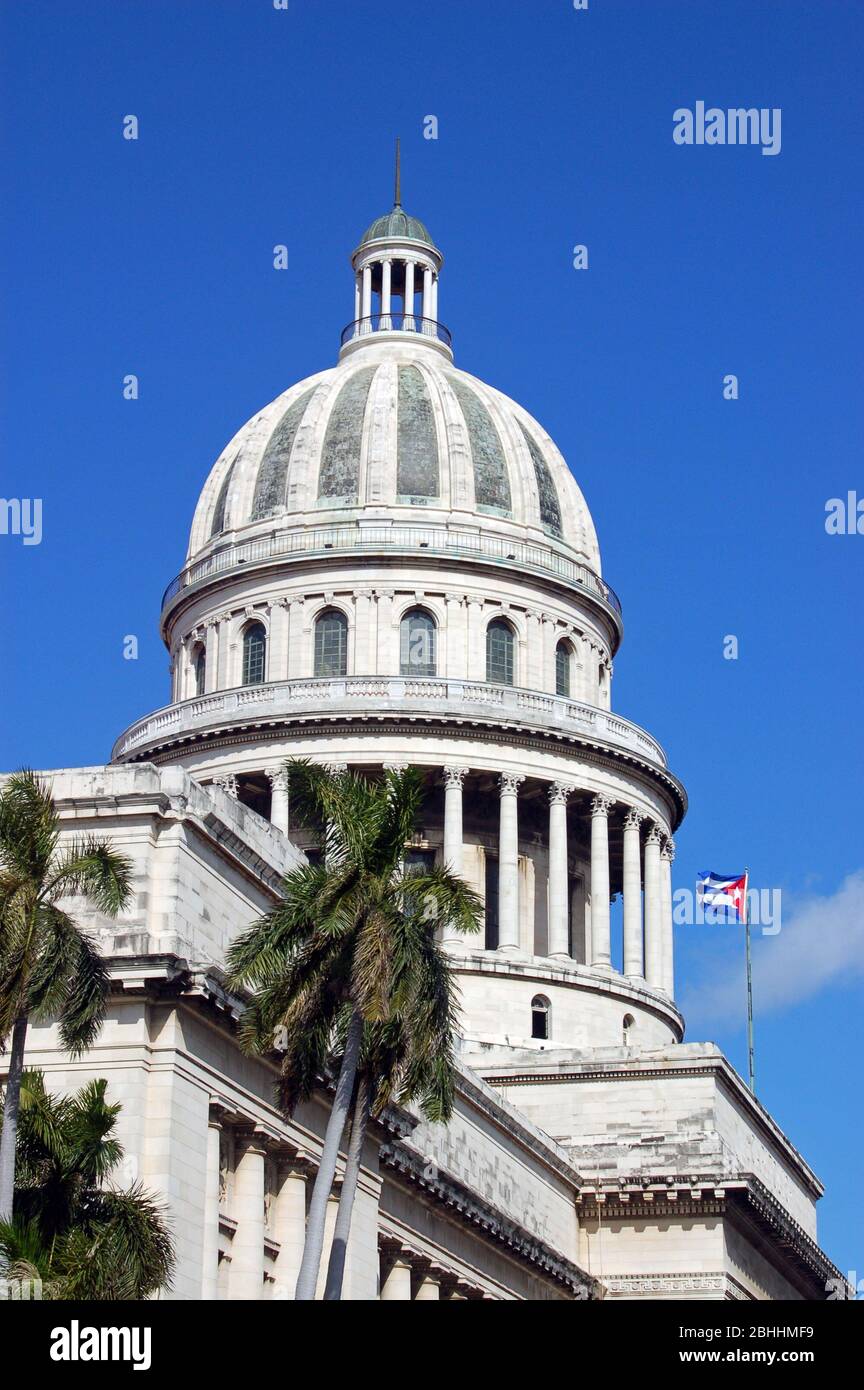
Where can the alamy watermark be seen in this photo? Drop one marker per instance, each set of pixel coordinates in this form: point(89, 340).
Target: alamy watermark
point(764, 911)
point(22, 516)
point(735, 126)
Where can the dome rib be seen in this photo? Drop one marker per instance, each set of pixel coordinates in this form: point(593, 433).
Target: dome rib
point(491, 479)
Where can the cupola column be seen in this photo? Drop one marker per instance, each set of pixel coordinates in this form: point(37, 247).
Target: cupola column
point(633, 958)
point(408, 321)
point(653, 917)
point(508, 863)
point(366, 297)
point(357, 294)
point(427, 292)
point(667, 855)
point(601, 952)
point(386, 281)
point(559, 917)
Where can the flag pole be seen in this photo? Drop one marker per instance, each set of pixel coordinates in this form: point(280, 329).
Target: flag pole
point(751, 1057)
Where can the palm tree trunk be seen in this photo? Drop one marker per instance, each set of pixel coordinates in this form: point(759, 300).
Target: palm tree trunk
point(307, 1279)
point(10, 1118)
point(342, 1229)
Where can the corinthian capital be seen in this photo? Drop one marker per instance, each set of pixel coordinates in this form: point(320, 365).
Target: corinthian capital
point(559, 792)
point(510, 782)
point(278, 778)
point(455, 776)
point(602, 805)
point(668, 850)
point(655, 834)
point(633, 819)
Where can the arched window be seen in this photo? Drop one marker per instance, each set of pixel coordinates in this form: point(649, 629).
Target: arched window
point(629, 1021)
point(199, 666)
point(563, 663)
point(331, 643)
point(417, 644)
point(500, 644)
point(254, 654)
point(540, 1010)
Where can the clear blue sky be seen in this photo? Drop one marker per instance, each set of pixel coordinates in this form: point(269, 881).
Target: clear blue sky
point(258, 127)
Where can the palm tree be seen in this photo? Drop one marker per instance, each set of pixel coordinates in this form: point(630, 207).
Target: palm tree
point(83, 1238)
point(346, 976)
point(49, 966)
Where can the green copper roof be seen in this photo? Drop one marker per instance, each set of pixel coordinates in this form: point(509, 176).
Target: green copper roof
point(398, 224)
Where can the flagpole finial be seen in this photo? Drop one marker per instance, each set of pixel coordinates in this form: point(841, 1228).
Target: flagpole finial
point(397, 201)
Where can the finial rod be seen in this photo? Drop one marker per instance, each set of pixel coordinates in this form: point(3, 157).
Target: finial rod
point(398, 198)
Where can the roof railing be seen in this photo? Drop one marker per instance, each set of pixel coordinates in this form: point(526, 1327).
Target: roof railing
point(396, 321)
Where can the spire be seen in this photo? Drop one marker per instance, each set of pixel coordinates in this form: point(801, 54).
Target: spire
point(397, 201)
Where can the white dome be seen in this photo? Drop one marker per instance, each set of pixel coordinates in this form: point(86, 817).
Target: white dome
point(394, 429)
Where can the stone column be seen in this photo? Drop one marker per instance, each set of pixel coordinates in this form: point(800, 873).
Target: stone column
point(278, 798)
point(396, 1286)
point(386, 272)
point(667, 855)
point(633, 961)
point(559, 877)
point(427, 1282)
point(211, 669)
point(508, 863)
point(356, 296)
point(427, 292)
point(329, 1225)
point(363, 663)
point(408, 321)
point(366, 297)
point(210, 1254)
point(453, 780)
point(453, 847)
point(247, 1247)
point(227, 783)
point(290, 1222)
point(476, 640)
point(601, 945)
point(653, 916)
point(277, 655)
point(434, 314)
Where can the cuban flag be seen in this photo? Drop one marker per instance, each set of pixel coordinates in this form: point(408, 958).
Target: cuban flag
point(723, 891)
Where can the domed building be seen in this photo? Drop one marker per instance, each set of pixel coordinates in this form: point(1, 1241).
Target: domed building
point(392, 564)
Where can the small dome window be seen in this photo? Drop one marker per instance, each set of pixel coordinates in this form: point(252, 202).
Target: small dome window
point(500, 653)
point(563, 668)
point(331, 643)
point(254, 654)
point(199, 666)
point(417, 641)
point(540, 1013)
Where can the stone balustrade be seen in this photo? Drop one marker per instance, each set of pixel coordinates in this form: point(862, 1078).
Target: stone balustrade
point(368, 697)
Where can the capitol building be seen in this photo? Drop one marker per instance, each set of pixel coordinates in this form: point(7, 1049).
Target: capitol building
point(392, 564)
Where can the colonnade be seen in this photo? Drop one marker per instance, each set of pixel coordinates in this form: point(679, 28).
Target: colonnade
point(648, 853)
point(264, 1212)
point(416, 275)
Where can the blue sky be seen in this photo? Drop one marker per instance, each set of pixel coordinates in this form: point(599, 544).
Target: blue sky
point(258, 127)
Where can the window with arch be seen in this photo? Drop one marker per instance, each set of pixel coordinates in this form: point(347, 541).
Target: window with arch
point(199, 667)
point(563, 667)
point(629, 1022)
point(331, 643)
point(500, 653)
point(254, 654)
point(417, 644)
point(540, 1011)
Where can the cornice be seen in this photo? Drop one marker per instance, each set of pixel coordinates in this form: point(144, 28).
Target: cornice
point(469, 1207)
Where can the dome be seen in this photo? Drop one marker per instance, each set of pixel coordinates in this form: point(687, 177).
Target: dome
point(395, 429)
point(398, 226)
